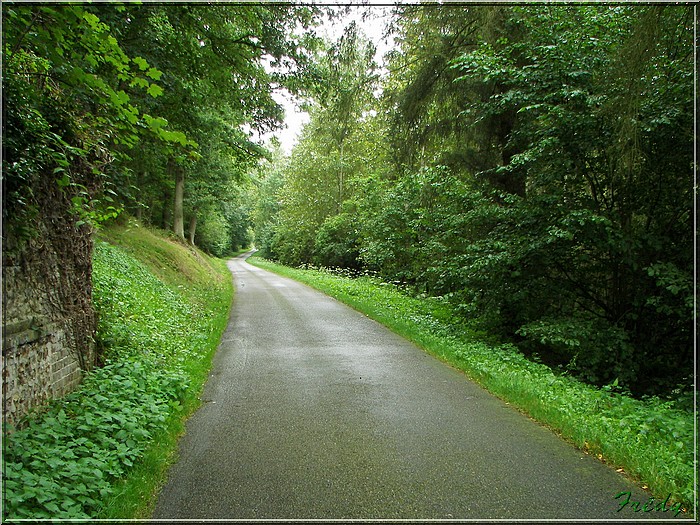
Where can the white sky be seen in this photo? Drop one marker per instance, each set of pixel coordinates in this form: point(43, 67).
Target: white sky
point(373, 28)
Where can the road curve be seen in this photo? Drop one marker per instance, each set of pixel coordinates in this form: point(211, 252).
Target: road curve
point(313, 410)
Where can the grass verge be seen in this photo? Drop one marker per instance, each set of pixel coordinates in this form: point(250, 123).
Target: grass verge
point(103, 451)
point(651, 440)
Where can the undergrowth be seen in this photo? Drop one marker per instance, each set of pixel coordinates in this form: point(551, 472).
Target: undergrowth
point(103, 450)
point(63, 464)
point(651, 440)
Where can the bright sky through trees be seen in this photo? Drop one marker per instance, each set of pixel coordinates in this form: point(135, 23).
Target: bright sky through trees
point(372, 20)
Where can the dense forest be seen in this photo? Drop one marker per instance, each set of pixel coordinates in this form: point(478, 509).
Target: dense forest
point(532, 165)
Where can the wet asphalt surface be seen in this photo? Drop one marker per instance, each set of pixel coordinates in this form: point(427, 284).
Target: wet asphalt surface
point(314, 411)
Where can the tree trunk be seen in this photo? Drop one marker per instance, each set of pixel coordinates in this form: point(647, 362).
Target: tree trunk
point(193, 226)
point(178, 212)
point(166, 209)
point(140, 177)
point(342, 176)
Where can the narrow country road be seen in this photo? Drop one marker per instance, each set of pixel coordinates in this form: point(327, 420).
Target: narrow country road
point(314, 411)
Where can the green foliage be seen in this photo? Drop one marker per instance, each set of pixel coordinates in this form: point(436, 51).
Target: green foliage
point(265, 216)
point(214, 235)
point(216, 94)
point(156, 321)
point(336, 242)
point(161, 312)
point(64, 464)
point(346, 89)
point(591, 346)
point(652, 439)
point(307, 210)
point(418, 228)
point(540, 180)
point(84, 84)
point(582, 238)
point(70, 94)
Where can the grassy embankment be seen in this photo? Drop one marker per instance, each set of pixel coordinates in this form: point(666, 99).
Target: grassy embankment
point(651, 440)
point(103, 451)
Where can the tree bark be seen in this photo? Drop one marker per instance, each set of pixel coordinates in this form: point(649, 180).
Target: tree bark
point(193, 226)
point(166, 209)
point(140, 177)
point(342, 177)
point(178, 211)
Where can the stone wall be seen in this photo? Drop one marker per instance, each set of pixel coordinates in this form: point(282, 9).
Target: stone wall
point(48, 318)
point(36, 366)
point(38, 361)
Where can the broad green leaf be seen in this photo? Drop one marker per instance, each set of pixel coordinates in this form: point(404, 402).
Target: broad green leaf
point(154, 73)
point(141, 62)
point(155, 90)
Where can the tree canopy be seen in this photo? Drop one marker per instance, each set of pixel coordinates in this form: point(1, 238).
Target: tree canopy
point(531, 164)
point(148, 96)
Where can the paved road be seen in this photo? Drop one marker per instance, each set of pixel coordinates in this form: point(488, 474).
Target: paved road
point(314, 411)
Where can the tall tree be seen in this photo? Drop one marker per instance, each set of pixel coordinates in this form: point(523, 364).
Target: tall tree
point(216, 87)
point(69, 93)
point(320, 178)
point(428, 123)
point(542, 180)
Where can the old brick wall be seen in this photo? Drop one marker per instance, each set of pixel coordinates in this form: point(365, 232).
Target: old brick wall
point(36, 366)
point(39, 360)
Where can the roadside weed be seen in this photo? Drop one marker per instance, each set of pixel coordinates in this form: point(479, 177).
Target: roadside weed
point(103, 450)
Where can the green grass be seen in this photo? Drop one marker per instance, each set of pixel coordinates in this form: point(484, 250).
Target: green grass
point(651, 440)
point(174, 264)
point(103, 451)
point(193, 334)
